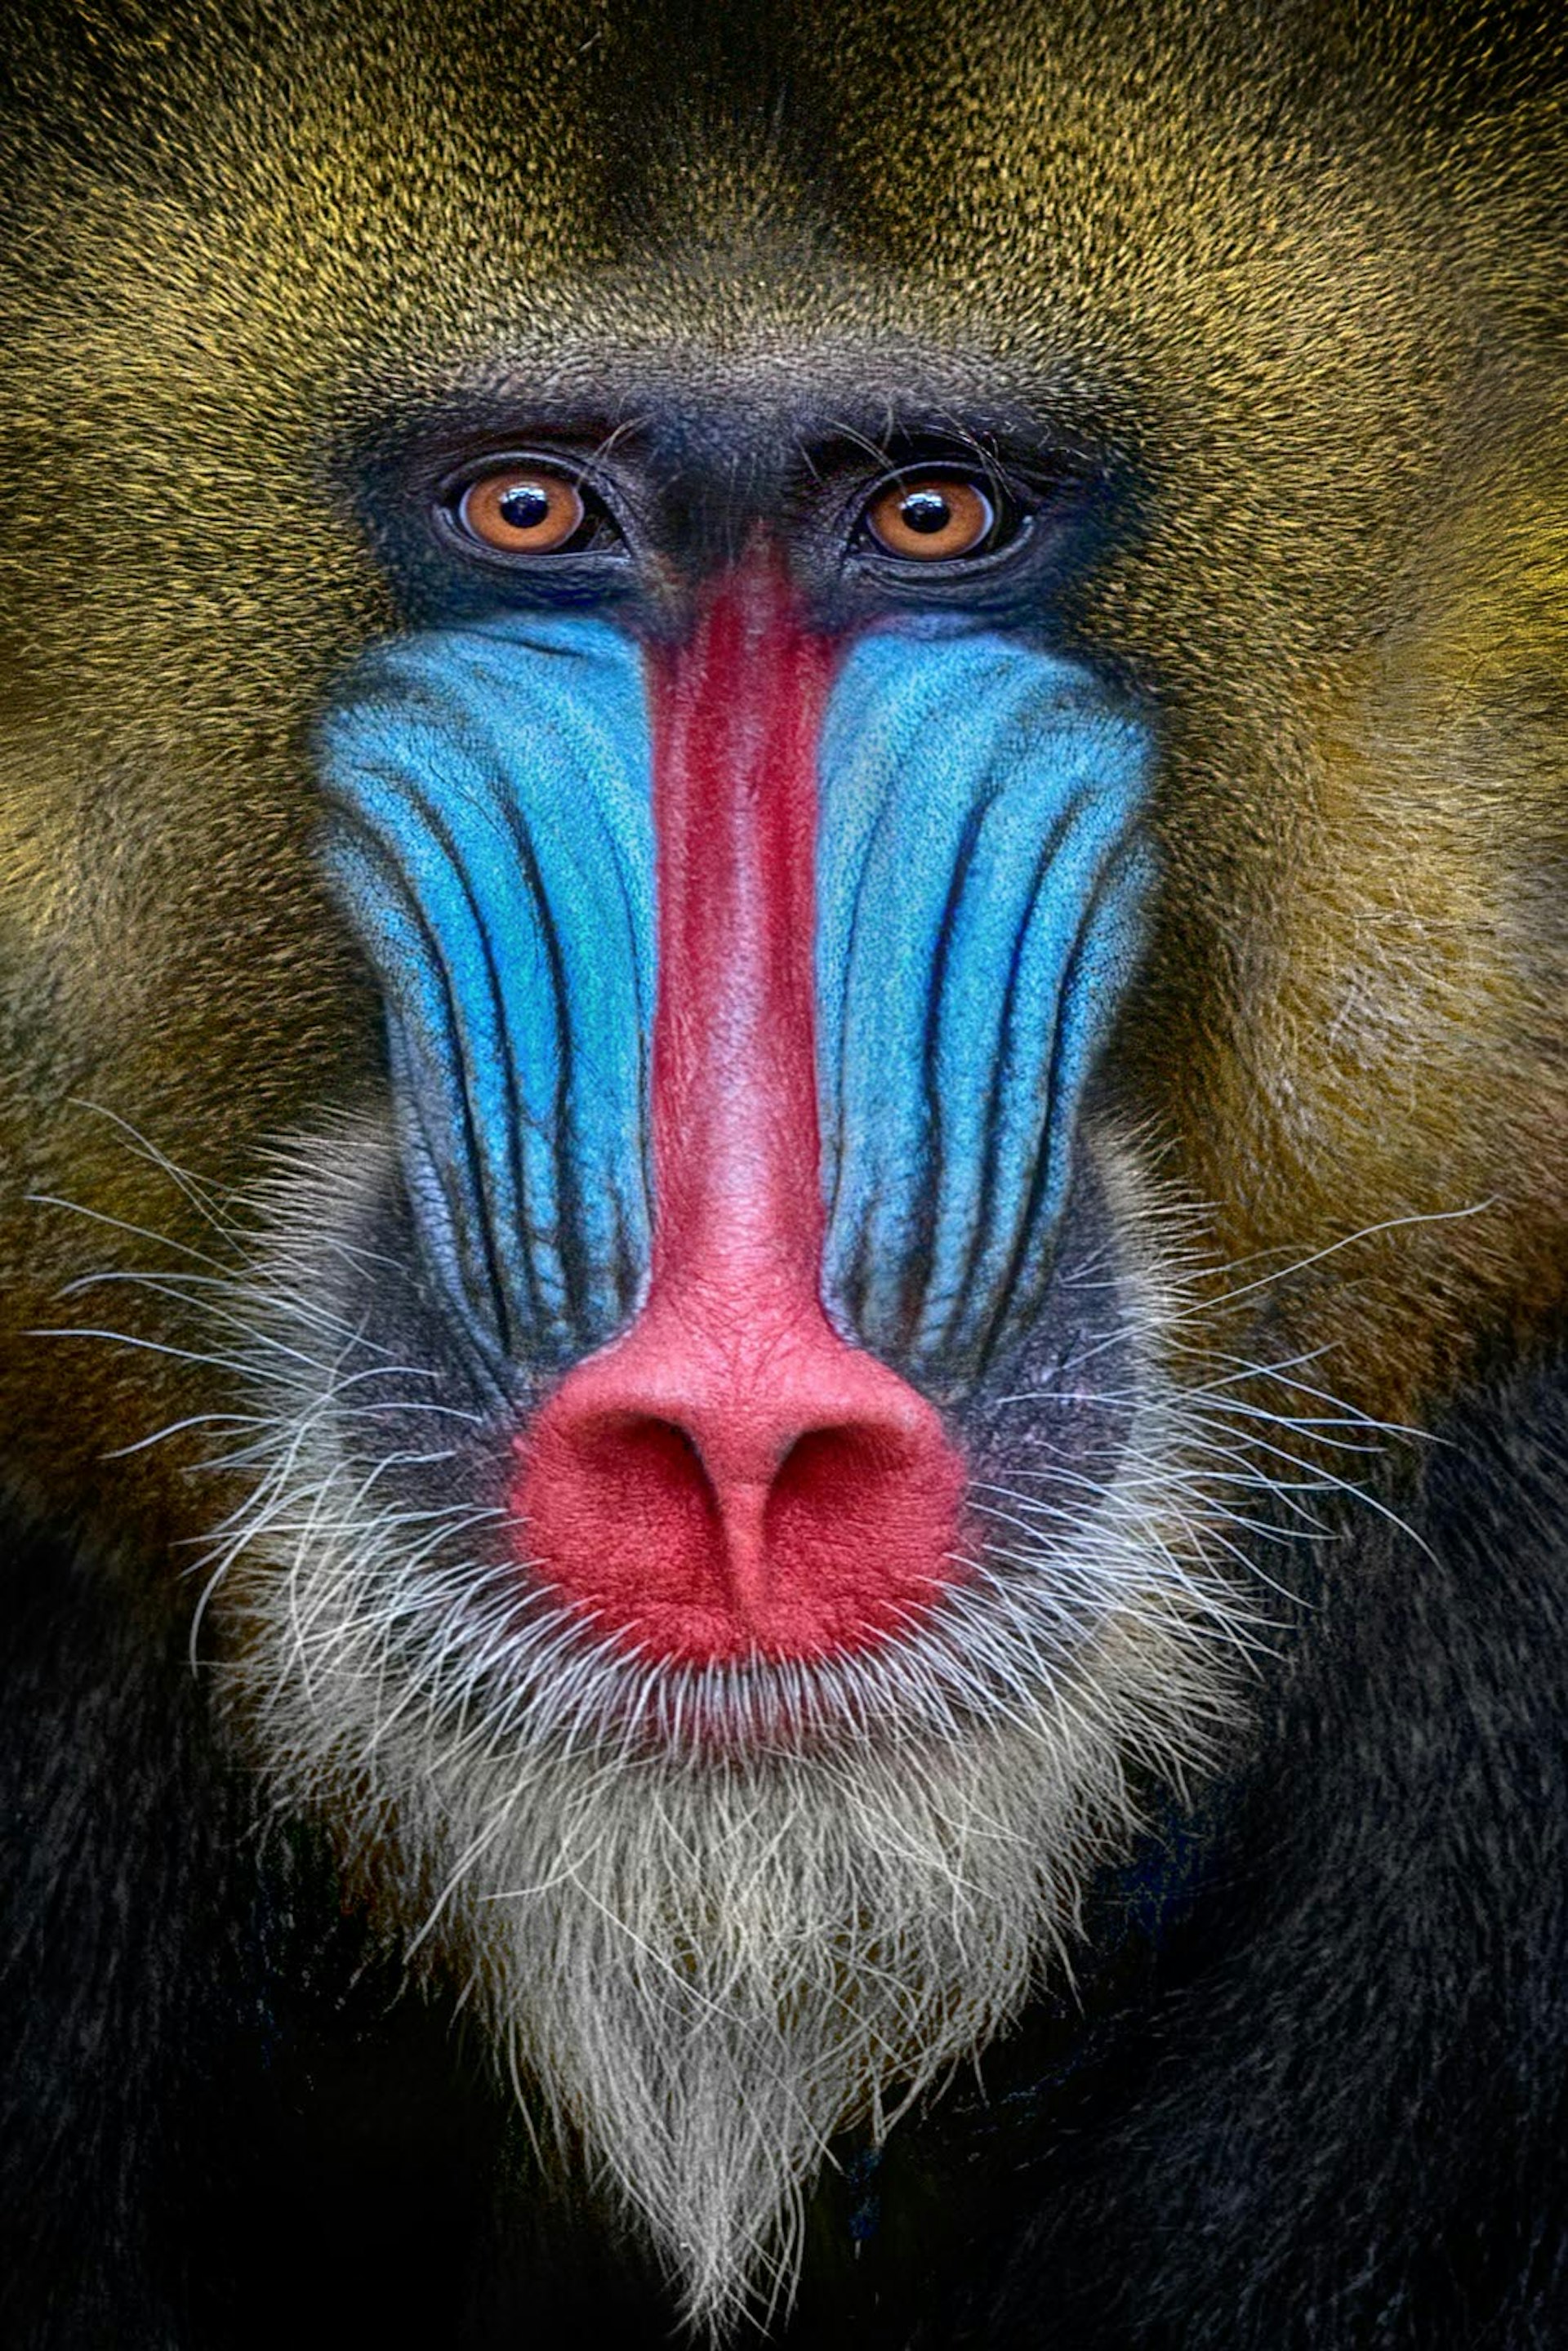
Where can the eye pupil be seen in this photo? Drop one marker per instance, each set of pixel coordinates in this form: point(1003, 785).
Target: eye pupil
point(524, 506)
point(926, 511)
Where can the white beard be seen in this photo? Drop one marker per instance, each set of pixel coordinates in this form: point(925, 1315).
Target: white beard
point(708, 1973)
point(705, 1969)
point(704, 1958)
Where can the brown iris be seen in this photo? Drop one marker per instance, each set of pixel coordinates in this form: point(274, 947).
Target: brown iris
point(522, 510)
point(931, 519)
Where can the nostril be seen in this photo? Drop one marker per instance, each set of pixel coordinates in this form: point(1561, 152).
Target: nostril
point(630, 1456)
point(706, 1510)
point(849, 1477)
point(869, 1518)
point(623, 1516)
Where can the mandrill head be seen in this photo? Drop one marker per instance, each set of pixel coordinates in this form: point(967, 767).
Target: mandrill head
point(744, 905)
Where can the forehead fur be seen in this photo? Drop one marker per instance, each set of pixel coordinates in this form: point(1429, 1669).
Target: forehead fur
point(1210, 239)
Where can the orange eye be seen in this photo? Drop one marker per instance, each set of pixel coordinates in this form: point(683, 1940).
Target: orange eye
point(522, 510)
point(934, 519)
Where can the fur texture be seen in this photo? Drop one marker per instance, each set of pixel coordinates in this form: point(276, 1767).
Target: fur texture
point(1194, 1882)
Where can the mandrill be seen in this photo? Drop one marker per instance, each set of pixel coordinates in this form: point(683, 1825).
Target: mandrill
point(783, 1193)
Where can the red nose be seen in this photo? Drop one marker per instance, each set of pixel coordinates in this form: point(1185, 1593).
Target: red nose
point(731, 1476)
point(707, 1488)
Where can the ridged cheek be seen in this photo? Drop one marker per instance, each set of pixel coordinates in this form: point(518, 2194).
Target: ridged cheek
point(982, 884)
point(492, 840)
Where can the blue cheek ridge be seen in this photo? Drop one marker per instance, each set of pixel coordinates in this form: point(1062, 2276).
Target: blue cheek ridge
point(981, 890)
point(981, 887)
point(492, 841)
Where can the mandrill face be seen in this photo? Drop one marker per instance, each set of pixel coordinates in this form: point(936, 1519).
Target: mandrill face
point(776, 985)
point(723, 1541)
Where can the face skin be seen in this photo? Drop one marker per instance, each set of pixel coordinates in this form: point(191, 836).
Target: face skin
point(716, 823)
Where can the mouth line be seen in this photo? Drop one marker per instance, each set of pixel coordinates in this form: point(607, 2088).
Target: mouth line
point(1000, 1647)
